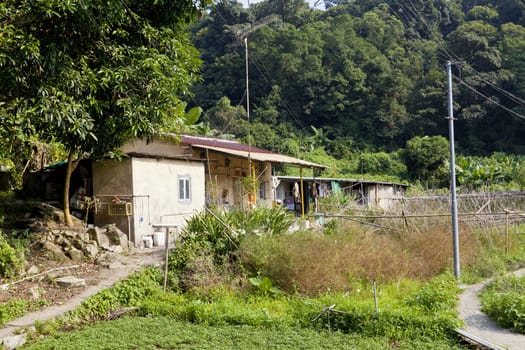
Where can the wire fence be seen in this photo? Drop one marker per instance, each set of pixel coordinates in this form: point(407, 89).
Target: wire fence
point(489, 212)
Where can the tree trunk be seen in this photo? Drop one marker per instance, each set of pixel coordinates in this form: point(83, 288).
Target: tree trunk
point(70, 167)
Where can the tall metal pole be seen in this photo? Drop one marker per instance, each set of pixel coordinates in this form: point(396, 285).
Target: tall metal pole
point(454, 205)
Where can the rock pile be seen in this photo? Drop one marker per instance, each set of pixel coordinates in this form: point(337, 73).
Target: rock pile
point(96, 243)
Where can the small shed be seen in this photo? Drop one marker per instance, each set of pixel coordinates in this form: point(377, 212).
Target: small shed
point(367, 193)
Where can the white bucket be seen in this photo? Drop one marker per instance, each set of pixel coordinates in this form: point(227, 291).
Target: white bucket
point(159, 239)
point(148, 241)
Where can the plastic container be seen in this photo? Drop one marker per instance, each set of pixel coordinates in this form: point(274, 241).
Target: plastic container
point(148, 241)
point(159, 239)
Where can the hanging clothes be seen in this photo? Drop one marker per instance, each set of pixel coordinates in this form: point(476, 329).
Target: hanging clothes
point(296, 193)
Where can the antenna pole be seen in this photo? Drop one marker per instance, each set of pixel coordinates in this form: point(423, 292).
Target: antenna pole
point(248, 103)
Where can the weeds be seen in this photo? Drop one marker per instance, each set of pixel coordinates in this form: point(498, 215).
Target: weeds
point(503, 300)
point(11, 259)
point(12, 309)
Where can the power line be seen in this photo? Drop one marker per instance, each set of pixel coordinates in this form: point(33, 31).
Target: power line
point(489, 99)
point(452, 56)
point(513, 97)
point(264, 75)
point(284, 103)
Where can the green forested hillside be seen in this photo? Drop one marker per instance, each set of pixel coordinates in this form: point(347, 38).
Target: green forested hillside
point(365, 74)
point(358, 86)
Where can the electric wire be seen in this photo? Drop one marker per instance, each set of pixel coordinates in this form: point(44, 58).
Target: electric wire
point(489, 99)
point(453, 57)
point(284, 103)
point(510, 95)
point(264, 74)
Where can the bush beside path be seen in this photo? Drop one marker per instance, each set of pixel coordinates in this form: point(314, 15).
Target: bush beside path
point(480, 324)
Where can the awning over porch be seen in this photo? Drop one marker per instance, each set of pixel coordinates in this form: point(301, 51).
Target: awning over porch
point(235, 148)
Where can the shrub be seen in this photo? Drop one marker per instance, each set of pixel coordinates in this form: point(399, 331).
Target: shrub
point(130, 292)
point(503, 300)
point(14, 308)
point(310, 263)
point(215, 238)
point(381, 163)
point(440, 294)
point(354, 313)
point(11, 260)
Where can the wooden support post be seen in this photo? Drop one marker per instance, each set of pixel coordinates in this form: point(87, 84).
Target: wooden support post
point(302, 191)
point(166, 258)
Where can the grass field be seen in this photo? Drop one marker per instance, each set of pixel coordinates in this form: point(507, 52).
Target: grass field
point(272, 290)
point(166, 333)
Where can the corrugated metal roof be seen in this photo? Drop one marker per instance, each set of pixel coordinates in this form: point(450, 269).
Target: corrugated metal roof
point(241, 150)
point(309, 178)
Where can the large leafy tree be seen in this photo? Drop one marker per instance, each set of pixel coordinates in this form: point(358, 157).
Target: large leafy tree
point(92, 74)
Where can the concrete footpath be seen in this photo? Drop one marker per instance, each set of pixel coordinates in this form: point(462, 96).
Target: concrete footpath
point(480, 325)
point(106, 278)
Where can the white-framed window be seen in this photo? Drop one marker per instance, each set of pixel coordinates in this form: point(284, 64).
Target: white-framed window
point(184, 188)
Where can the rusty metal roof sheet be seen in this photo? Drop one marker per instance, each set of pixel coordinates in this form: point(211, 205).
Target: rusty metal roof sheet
point(241, 150)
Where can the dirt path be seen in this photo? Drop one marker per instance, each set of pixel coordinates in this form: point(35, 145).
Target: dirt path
point(480, 325)
point(106, 278)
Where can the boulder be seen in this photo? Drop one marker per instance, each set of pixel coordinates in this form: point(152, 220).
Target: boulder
point(70, 234)
point(78, 243)
point(116, 236)
point(91, 250)
point(33, 270)
point(105, 259)
point(14, 341)
point(70, 282)
point(34, 292)
point(97, 234)
point(54, 252)
point(75, 254)
point(117, 249)
point(83, 236)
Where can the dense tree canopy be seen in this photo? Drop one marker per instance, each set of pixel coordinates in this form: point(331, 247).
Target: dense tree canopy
point(369, 73)
point(357, 78)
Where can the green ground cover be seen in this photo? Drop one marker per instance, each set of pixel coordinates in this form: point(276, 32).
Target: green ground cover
point(503, 299)
point(251, 288)
point(410, 315)
point(167, 333)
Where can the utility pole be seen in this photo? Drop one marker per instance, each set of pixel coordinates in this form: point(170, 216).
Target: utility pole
point(243, 35)
point(453, 201)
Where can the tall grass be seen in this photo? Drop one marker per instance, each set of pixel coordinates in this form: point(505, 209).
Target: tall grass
point(311, 263)
point(330, 259)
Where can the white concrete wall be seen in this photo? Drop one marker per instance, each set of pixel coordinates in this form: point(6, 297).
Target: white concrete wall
point(156, 182)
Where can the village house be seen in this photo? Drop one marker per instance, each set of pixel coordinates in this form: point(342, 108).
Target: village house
point(163, 182)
